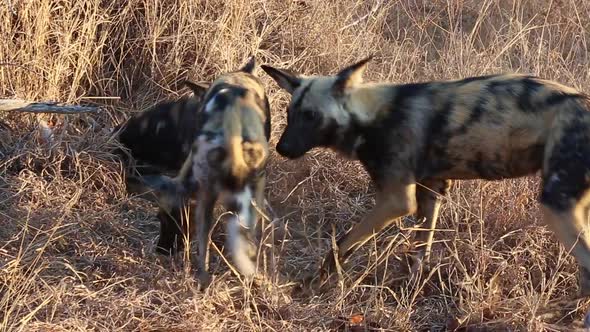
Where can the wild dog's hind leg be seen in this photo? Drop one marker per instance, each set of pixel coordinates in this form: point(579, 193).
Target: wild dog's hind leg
point(395, 201)
point(202, 223)
point(429, 198)
point(172, 225)
point(565, 195)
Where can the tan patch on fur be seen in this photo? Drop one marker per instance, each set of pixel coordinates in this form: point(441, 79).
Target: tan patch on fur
point(236, 157)
point(393, 201)
point(368, 94)
point(254, 154)
point(555, 86)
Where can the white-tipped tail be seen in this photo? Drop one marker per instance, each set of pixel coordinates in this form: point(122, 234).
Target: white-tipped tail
point(242, 250)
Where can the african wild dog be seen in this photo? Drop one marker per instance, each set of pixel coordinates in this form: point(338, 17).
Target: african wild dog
point(227, 160)
point(160, 137)
point(159, 140)
point(414, 139)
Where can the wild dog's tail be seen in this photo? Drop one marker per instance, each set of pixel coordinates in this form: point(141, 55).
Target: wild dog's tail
point(244, 156)
point(232, 131)
point(239, 226)
point(240, 232)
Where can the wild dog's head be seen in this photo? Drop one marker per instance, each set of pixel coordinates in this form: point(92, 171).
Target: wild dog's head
point(318, 112)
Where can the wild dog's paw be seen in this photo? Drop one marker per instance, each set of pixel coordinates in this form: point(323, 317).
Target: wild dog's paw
point(584, 282)
point(414, 265)
point(418, 266)
point(204, 280)
point(327, 268)
point(306, 285)
point(310, 280)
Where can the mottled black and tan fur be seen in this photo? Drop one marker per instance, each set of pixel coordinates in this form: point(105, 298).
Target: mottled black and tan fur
point(227, 160)
point(157, 141)
point(414, 139)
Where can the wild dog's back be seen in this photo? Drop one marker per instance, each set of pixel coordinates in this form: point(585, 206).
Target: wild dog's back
point(250, 90)
point(161, 136)
point(491, 127)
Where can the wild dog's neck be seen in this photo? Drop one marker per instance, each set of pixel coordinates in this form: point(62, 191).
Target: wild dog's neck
point(365, 106)
point(368, 102)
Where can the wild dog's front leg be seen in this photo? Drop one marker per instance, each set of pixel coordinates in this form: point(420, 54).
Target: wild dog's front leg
point(172, 226)
point(202, 223)
point(571, 227)
point(429, 197)
point(397, 200)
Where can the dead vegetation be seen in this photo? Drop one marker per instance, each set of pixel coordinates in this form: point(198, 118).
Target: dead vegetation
point(77, 253)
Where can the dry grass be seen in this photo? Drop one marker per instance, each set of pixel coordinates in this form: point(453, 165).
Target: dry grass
point(77, 253)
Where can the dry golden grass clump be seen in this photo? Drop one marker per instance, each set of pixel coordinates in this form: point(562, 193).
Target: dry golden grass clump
point(77, 253)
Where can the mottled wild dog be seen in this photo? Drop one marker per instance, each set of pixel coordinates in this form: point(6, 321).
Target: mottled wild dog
point(414, 139)
point(157, 141)
point(227, 160)
point(159, 138)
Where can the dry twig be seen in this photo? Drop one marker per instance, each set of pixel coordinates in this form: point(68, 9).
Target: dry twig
point(18, 105)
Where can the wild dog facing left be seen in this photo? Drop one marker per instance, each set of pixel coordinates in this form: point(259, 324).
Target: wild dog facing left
point(414, 139)
point(227, 161)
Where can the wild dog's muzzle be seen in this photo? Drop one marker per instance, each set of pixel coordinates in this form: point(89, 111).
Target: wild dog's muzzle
point(290, 147)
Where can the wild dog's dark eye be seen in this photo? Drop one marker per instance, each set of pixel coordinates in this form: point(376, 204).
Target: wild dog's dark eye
point(309, 115)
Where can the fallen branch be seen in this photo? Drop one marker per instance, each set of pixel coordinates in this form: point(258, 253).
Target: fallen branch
point(18, 105)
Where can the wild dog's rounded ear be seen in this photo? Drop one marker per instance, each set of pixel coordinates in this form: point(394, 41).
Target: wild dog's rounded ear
point(254, 154)
point(198, 89)
point(350, 76)
point(284, 78)
point(250, 65)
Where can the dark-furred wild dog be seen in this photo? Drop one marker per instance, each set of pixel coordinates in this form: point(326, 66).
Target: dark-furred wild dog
point(227, 160)
point(414, 139)
point(158, 140)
